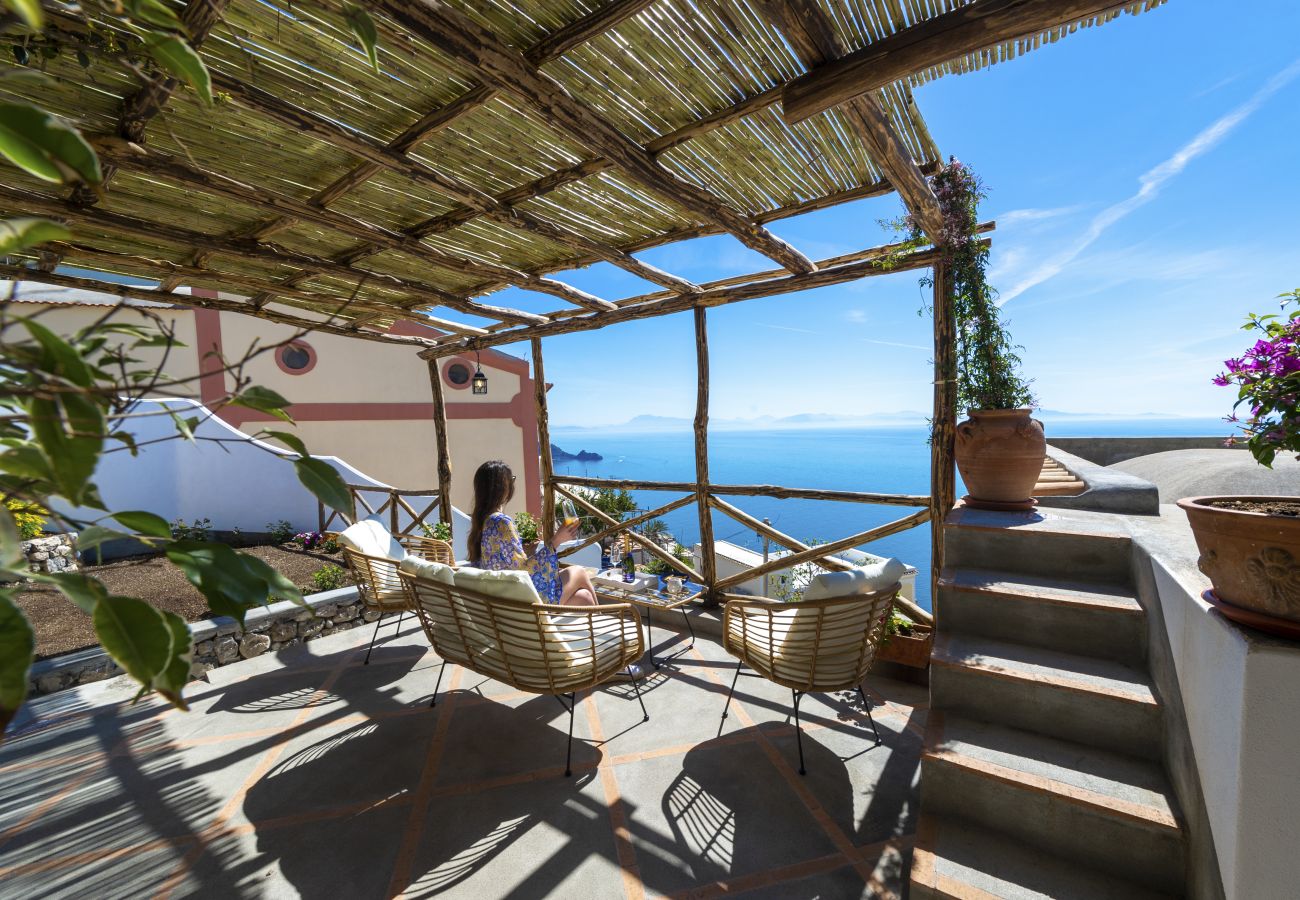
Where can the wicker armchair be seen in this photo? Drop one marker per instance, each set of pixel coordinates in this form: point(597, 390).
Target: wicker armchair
point(536, 647)
point(378, 584)
point(814, 646)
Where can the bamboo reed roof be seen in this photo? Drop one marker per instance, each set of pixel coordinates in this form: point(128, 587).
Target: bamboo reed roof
point(499, 142)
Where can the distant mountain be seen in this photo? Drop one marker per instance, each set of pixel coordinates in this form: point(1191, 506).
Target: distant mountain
point(558, 455)
point(649, 423)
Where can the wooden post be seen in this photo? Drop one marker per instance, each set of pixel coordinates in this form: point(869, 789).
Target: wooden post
point(707, 566)
point(440, 432)
point(544, 442)
point(943, 428)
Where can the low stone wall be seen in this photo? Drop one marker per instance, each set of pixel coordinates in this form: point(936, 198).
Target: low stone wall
point(220, 641)
point(1106, 451)
point(52, 553)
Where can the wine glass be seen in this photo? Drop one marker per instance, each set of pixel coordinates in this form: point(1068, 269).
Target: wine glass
point(568, 513)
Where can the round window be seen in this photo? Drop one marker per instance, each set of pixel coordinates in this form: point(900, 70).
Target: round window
point(458, 374)
point(297, 358)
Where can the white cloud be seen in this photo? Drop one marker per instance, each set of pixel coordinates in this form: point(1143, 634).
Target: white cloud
point(856, 316)
point(786, 328)
point(1017, 216)
point(895, 344)
point(1151, 182)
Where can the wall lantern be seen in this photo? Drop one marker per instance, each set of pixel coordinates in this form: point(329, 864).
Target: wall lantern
point(478, 383)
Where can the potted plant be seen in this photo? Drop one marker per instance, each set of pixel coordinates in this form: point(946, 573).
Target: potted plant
point(1249, 545)
point(906, 642)
point(999, 447)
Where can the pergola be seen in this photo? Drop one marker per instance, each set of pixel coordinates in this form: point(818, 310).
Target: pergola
point(501, 142)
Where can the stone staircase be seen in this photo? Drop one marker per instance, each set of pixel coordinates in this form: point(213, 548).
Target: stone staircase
point(1041, 775)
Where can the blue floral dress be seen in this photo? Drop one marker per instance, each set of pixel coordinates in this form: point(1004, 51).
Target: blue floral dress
point(502, 549)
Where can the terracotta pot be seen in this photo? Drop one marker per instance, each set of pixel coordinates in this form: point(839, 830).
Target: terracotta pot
point(908, 650)
point(1000, 455)
point(1252, 559)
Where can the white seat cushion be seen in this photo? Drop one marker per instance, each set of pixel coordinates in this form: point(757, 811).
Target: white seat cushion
point(503, 584)
point(862, 580)
point(371, 538)
point(419, 567)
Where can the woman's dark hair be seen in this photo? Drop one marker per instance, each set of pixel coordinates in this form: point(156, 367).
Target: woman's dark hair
point(494, 485)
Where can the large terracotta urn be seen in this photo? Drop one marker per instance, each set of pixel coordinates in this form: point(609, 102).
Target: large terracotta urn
point(1000, 455)
point(1252, 558)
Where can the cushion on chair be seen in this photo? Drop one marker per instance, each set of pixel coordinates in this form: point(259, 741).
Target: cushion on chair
point(861, 580)
point(501, 584)
point(419, 567)
point(370, 538)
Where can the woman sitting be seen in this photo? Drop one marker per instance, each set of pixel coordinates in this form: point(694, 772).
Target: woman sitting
point(494, 543)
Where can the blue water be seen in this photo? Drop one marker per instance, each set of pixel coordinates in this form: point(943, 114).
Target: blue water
point(884, 460)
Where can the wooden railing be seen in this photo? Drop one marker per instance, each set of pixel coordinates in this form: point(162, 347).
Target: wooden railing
point(371, 500)
point(822, 554)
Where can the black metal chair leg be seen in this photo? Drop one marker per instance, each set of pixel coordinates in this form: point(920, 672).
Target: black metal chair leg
point(442, 668)
point(798, 732)
point(870, 718)
point(726, 706)
point(650, 639)
point(568, 753)
point(373, 638)
point(689, 627)
point(636, 686)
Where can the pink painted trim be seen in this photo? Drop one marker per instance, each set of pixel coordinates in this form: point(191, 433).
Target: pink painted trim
point(300, 345)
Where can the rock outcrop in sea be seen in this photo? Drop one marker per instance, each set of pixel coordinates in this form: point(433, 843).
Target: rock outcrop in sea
point(559, 455)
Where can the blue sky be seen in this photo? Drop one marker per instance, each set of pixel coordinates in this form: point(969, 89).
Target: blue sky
point(1142, 175)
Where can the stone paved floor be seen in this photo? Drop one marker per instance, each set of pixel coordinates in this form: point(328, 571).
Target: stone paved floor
point(309, 774)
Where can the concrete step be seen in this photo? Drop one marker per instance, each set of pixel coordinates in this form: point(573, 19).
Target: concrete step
point(1104, 811)
point(1051, 542)
point(955, 860)
point(1093, 619)
point(1096, 702)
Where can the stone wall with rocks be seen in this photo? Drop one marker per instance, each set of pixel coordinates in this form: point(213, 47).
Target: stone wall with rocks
point(52, 553)
point(220, 641)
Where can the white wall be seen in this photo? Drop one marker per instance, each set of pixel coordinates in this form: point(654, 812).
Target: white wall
point(240, 483)
point(1241, 693)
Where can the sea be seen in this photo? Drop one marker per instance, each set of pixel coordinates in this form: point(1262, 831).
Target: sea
point(886, 459)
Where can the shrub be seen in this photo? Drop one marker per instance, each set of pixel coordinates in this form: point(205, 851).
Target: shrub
point(526, 525)
point(440, 531)
point(329, 577)
point(29, 517)
point(198, 530)
point(308, 540)
point(330, 546)
point(280, 532)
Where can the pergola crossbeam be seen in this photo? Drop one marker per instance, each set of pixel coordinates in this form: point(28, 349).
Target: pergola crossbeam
point(813, 38)
point(507, 70)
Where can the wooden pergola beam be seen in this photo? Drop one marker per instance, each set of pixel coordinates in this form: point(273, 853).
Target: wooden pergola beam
point(172, 235)
point(505, 69)
point(720, 297)
point(543, 440)
point(335, 135)
point(133, 292)
point(810, 33)
point(154, 163)
point(966, 29)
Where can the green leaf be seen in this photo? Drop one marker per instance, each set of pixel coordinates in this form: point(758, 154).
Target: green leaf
point(325, 482)
point(84, 591)
point(292, 441)
point(71, 448)
point(232, 582)
point(364, 28)
point(46, 146)
point(11, 550)
point(127, 439)
point(144, 523)
point(17, 646)
point(171, 680)
point(179, 59)
point(263, 399)
point(92, 536)
point(23, 234)
point(185, 427)
point(60, 356)
point(135, 634)
point(30, 12)
point(26, 462)
point(154, 13)
point(277, 584)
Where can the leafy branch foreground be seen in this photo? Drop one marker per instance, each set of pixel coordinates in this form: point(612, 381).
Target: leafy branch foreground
point(65, 403)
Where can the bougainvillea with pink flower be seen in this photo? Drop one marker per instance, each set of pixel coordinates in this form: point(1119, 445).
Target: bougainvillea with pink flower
point(1267, 377)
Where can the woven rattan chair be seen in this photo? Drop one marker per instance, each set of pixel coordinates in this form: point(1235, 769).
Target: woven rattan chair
point(379, 586)
point(815, 646)
point(536, 647)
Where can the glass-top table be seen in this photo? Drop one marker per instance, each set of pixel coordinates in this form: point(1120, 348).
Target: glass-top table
point(651, 598)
